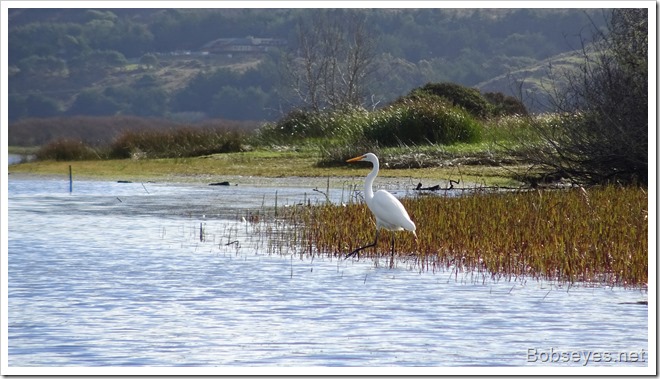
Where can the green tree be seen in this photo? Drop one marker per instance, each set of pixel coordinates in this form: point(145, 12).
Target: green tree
point(93, 102)
point(41, 106)
point(16, 107)
point(41, 67)
point(96, 64)
point(239, 104)
point(148, 102)
point(150, 60)
point(198, 94)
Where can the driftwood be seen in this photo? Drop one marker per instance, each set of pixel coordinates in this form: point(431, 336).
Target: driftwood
point(451, 187)
point(437, 186)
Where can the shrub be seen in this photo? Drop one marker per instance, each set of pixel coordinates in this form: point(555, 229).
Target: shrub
point(337, 154)
point(176, 143)
point(468, 98)
point(66, 150)
point(294, 126)
point(421, 121)
point(301, 124)
point(503, 105)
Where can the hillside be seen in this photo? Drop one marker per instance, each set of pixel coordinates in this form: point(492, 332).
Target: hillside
point(536, 82)
point(190, 64)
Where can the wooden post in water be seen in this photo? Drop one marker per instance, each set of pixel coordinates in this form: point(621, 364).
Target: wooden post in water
point(70, 180)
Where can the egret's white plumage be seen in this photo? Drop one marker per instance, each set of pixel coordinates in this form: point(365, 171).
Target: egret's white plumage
point(388, 210)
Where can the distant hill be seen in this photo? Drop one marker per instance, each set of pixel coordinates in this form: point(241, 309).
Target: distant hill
point(180, 64)
point(535, 83)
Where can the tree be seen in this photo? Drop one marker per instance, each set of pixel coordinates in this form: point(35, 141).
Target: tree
point(602, 135)
point(198, 94)
point(38, 67)
point(95, 64)
point(149, 60)
point(93, 102)
point(330, 65)
point(239, 104)
point(17, 107)
point(42, 106)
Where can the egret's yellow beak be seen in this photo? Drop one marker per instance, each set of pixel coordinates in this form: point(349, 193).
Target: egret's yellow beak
point(356, 159)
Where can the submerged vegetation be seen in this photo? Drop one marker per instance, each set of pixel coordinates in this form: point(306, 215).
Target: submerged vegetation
point(591, 236)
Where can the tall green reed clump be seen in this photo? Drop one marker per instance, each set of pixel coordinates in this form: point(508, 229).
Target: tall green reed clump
point(573, 235)
point(177, 142)
point(427, 120)
point(307, 125)
point(343, 133)
point(512, 131)
point(423, 120)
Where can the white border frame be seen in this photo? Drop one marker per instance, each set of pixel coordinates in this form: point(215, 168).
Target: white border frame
point(543, 370)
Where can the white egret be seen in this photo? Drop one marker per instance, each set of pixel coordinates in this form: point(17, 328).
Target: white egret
point(388, 210)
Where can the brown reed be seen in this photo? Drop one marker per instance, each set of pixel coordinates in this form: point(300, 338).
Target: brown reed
point(598, 235)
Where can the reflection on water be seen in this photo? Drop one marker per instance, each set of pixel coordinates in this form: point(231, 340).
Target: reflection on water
point(115, 274)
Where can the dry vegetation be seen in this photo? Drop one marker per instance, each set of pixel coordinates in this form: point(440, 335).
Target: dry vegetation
point(100, 131)
point(595, 236)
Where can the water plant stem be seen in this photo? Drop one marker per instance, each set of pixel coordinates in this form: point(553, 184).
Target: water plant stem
point(595, 236)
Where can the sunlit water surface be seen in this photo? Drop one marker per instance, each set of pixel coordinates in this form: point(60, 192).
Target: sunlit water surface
point(115, 274)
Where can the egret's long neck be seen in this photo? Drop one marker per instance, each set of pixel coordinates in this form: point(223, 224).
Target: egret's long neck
point(368, 184)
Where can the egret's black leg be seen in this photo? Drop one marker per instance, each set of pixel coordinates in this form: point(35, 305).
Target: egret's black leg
point(392, 258)
point(356, 251)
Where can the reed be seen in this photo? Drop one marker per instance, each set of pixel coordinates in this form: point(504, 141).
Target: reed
point(598, 235)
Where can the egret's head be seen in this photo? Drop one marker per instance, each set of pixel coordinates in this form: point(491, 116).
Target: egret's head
point(368, 157)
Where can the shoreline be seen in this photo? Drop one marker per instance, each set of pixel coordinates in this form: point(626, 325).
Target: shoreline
point(262, 170)
point(320, 183)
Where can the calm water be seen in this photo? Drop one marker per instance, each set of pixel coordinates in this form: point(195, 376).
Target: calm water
point(116, 275)
point(18, 158)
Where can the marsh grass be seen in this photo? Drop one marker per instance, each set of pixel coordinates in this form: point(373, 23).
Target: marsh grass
point(588, 236)
point(141, 139)
point(176, 143)
point(67, 150)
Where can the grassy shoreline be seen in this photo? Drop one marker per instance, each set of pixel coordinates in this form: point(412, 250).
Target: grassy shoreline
point(262, 164)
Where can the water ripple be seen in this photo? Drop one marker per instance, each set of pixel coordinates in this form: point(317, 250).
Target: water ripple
point(94, 281)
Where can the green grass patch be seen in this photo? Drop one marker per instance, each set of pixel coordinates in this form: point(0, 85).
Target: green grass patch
point(257, 163)
point(22, 150)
